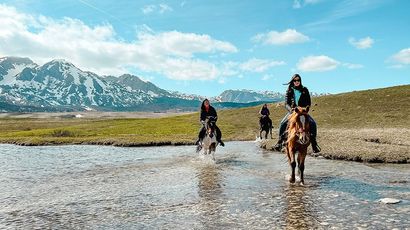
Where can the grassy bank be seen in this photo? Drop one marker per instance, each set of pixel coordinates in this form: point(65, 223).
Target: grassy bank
point(347, 125)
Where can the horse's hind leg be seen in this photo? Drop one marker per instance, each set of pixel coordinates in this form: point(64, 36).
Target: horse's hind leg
point(301, 165)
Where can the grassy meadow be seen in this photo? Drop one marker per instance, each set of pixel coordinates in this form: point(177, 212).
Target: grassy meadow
point(370, 125)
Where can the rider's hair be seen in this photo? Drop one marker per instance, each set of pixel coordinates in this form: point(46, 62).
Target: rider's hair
point(291, 84)
point(203, 104)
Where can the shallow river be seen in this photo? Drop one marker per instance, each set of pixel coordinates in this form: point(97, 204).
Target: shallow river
point(83, 187)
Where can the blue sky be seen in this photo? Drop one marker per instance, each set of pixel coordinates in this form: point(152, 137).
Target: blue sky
point(205, 47)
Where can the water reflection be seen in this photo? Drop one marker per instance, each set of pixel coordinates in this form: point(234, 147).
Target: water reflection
point(210, 195)
point(299, 212)
point(166, 188)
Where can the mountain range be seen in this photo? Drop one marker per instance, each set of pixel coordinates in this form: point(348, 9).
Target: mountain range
point(60, 86)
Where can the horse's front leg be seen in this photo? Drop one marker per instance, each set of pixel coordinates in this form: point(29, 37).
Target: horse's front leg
point(301, 165)
point(292, 163)
point(260, 134)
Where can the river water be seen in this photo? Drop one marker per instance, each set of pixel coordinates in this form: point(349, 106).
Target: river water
point(104, 187)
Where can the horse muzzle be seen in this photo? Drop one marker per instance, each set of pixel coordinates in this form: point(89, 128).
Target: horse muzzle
point(303, 138)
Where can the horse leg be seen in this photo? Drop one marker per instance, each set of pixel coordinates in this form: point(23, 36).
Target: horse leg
point(260, 134)
point(292, 163)
point(266, 134)
point(301, 165)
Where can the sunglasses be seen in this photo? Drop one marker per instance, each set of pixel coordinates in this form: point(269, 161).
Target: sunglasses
point(296, 80)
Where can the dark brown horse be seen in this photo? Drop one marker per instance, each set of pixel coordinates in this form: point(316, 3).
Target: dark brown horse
point(265, 125)
point(298, 140)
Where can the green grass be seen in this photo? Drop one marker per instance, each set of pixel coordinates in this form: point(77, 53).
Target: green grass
point(381, 108)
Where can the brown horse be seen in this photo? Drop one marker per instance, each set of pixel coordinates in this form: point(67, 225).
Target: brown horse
point(298, 140)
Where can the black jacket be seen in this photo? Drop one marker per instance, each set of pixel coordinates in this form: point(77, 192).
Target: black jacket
point(264, 111)
point(211, 112)
point(304, 99)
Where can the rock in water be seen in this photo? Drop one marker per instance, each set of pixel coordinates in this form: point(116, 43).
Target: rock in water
point(389, 201)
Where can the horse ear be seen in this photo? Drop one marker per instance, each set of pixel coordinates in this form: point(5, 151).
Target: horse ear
point(307, 109)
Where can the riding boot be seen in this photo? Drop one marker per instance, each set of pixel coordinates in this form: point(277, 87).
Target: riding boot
point(315, 146)
point(221, 142)
point(198, 141)
point(278, 146)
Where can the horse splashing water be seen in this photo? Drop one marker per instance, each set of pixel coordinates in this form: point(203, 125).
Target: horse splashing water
point(209, 142)
point(298, 140)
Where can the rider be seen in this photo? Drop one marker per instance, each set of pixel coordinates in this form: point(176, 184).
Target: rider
point(208, 110)
point(297, 95)
point(264, 112)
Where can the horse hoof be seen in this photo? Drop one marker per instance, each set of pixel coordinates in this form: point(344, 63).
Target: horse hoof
point(292, 181)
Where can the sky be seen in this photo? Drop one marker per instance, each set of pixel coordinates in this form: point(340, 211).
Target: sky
point(206, 47)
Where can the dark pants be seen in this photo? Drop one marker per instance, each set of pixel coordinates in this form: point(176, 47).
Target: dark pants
point(284, 124)
point(202, 132)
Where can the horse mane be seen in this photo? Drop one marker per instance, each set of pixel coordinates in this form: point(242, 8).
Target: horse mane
point(292, 129)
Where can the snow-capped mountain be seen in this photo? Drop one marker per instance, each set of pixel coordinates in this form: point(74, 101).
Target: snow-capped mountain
point(60, 86)
point(60, 83)
point(246, 96)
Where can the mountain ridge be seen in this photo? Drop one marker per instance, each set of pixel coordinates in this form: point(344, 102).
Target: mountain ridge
point(60, 85)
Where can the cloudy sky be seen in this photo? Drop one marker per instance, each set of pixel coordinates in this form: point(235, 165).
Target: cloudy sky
point(205, 47)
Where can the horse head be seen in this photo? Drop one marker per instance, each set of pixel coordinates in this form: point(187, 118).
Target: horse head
point(210, 126)
point(299, 128)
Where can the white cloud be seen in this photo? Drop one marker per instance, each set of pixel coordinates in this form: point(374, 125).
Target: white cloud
point(164, 8)
point(353, 66)
point(98, 49)
point(297, 4)
point(148, 9)
point(317, 64)
point(259, 65)
point(160, 8)
point(289, 36)
point(363, 43)
point(183, 44)
point(402, 57)
point(266, 77)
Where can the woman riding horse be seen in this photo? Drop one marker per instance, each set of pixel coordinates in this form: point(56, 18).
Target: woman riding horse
point(297, 95)
point(265, 123)
point(264, 112)
point(208, 111)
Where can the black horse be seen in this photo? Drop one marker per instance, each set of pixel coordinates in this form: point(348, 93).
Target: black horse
point(265, 125)
point(209, 141)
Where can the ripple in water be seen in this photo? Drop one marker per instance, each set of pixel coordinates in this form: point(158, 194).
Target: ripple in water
point(171, 187)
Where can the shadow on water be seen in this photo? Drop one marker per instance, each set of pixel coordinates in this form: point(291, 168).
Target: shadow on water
point(358, 189)
point(298, 211)
point(210, 196)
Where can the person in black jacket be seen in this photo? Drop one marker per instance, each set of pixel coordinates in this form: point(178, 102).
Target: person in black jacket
point(297, 95)
point(208, 110)
point(264, 112)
